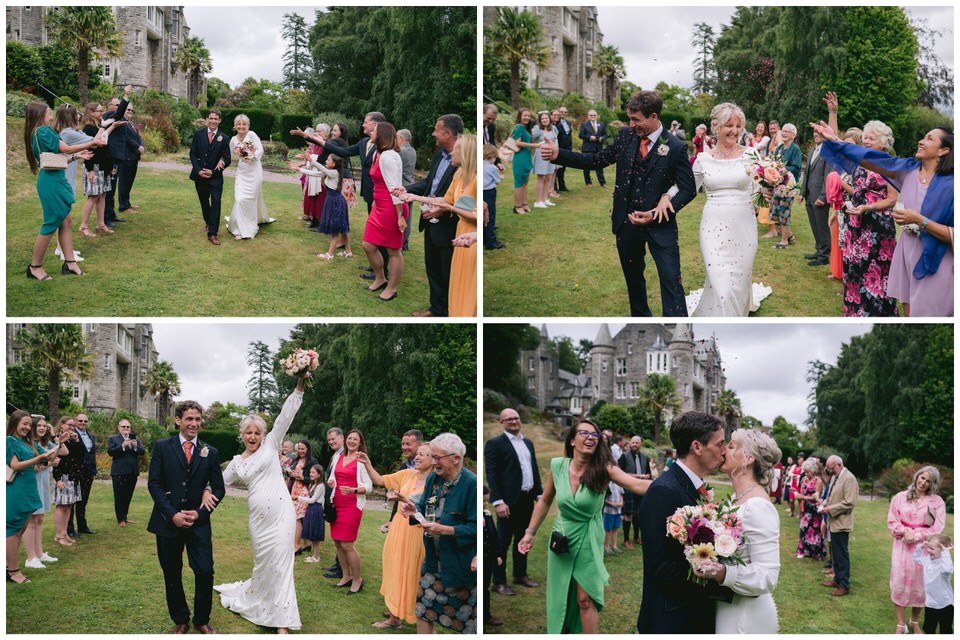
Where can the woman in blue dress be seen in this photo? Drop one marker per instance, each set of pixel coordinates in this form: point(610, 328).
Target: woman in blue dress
point(56, 196)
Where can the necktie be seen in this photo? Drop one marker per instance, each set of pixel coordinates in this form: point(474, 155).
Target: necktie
point(209, 136)
point(644, 147)
point(486, 135)
point(703, 491)
point(188, 450)
point(594, 126)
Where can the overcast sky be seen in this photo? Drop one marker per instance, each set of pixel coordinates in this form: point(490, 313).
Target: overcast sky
point(663, 52)
point(766, 364)
point(211, 359)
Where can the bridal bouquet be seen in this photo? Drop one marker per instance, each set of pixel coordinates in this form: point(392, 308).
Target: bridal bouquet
point(770, 174)
point(710, 533)
point(246, 150)
point(300, 361)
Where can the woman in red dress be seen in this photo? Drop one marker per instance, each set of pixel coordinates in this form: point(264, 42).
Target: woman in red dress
point(388, 218)
point(350, 483)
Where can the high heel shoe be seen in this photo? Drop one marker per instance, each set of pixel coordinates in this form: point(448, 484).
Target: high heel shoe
point(37, 266)
point(67, 271)
point(104, 229)
point(351, 592)
point(17, 570)
point(337, 585)
point(90, 234)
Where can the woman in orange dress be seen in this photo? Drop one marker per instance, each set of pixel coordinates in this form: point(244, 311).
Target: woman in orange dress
point(403, 549)
point(461, 198)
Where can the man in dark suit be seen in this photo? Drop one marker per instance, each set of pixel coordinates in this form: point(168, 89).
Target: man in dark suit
point(125, 449)
point(564, 141)
point(490, 113)
point(592, 134)
point(87, 473)
point(637, 464)
point(116, 109)
point(126, 147)
point(510, 465)
point(649, 161)
point(210, 155)
point(181, 469)
point(814, 194)
point(672, 603)
point(438, 228)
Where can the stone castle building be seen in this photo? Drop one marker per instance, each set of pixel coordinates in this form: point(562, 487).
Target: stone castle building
point(574, 36)
point(151, 36)
point(122, 355)
point(618, 368)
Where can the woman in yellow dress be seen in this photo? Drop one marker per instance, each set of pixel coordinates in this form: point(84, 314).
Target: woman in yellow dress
point(461, 198)
point(403, 548)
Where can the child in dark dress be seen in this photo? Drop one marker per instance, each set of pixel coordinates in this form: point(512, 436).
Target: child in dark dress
point(492, 554)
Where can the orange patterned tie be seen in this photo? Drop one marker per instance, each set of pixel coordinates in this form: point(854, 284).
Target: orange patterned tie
point(702, 490)
point(644, 146)
point(188, 450)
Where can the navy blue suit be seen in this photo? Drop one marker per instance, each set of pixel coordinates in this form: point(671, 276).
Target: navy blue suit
point(124, 144)
point(672, 603)
point(640, 183)
point(124, 472)
point(590, 146)
point(205, 154)
point(177, 486)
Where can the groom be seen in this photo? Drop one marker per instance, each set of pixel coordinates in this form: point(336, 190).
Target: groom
point(181, 469)
point(649, 161)
point(210, 155)
point(672, 603)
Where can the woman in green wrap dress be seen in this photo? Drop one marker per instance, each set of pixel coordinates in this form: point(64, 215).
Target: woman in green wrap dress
point(575, 579)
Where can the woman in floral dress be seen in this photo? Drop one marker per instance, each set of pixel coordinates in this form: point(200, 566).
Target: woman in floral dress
point(811, 542)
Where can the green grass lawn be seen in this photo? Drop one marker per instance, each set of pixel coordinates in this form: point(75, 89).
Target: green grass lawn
point(562, 261)
point(804, 606)
point(159, 263)
point(111, 582)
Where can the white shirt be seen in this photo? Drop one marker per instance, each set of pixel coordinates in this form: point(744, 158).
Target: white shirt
point(694, 478)
point(87, 440)
point(616, 451)
point(936, 577)
point(655, 136)
point(526, 466)
point(391, 168)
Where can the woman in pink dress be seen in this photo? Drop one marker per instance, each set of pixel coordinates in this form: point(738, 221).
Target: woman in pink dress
point(915, 514)
point(388, 218)
point(350, 483)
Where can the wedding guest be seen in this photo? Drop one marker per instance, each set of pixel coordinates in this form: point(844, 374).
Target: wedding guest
point(403, 549)
point(592, 135)
point(914, 515)
point(42, 437)
point(813, 194)
point(335, 219)
point(125, 448)
point(543, 169)
point(811, 542)
point(22, 496)
point(88, 471)
point(350, 483)
point(335, 444)
point(408, 156)
point(300, 472)
point(313, 523)
point(56, 198)
point(449, 507)
point(67, 123)
point(701, 141)
point(578, 481)
point(389, 216)
point(794, 479)
point(338, 138)
point(761, 141)
point(790, 155)
point(921, 271)
point(523, 159)
point(492, 557)
point(491, 178)
point(612, 515)
point(126, 147)
point(839, 507)
point(564, 141)
point(787, 481)
point(313, 192)
point(66, 476)
point(934, 557)
point(635, 463)
point(99, 173)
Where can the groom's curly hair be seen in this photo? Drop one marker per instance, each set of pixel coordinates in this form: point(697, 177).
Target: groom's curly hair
point(690, 426)
point(187, 404)
point(646, 102)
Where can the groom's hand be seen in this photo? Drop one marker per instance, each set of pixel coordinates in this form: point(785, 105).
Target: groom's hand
point(503, 510)
point(549, 150)
point(640, 217)
point(183, 519)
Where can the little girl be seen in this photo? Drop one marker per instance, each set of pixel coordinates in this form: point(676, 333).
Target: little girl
point(491, 178)
point(313, 518)
point(335, 220)
point(612, 504)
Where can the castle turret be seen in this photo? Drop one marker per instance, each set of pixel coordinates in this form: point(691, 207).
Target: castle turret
point(601, 364)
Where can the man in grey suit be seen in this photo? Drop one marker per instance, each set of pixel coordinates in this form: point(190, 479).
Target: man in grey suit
point(814, 194)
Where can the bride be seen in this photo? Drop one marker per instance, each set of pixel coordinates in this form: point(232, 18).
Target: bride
point(750, 458)
point(268, 598)
point(249, 209)
point(728, 226)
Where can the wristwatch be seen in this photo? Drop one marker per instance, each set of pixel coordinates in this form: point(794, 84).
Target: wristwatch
point(924, 222)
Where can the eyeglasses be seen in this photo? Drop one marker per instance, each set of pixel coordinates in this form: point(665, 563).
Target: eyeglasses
point(510, 420)
point(583, 433)
point(98, 110)
point(82, 421)
point(439, 458)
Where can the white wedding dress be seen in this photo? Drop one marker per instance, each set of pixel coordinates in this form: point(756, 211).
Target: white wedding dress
point(268, 598)
point(728, 238)
point(249, 209)
point(753, 609)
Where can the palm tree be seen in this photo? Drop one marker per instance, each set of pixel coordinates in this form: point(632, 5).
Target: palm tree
point(57, 349)
point(608, 63)
point(659, 395)
point(517, 37)
point(193, 58)
point(85, 30)
point(727, 406)
point(164, 382)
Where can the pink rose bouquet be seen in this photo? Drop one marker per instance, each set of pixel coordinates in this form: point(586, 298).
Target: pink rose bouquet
point(300, 361)
point(770, 174)
point(711, 533)
point(245, 150)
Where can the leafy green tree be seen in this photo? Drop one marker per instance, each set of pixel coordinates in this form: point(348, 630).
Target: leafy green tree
point(608, 64)
point(296, 58)
point(569, 359)
point(61, 70)
point(59, 350)
point(24, 66)
point(193, 58)
point(750, 422)
point(517, 37)
point(501, 357)
point(642, 421)
point(659, 395)
point(787, 436)
point(627, 89)
point(815, 371)
point(163, 381)
point(615, 417)
point(703, 40)
point(934, 77)
point(216, 88)
point(27, 388)
point(86, 31)
point(261, 387)
point(727, 406)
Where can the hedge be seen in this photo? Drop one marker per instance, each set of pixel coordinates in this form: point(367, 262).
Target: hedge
point(261, 121)
point(290, 121)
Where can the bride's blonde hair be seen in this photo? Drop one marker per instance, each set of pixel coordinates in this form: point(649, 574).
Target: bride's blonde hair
point(764, 451)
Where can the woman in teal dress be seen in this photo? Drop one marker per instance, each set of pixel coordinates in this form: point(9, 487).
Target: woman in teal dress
point(56, 196)
point(576, 578)
point(22, 495)
point(523, 159)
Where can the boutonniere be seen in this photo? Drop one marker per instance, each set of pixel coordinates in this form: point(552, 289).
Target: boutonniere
point(432, 500)
point(219, 138)
point(204, 452)
point(663, 149)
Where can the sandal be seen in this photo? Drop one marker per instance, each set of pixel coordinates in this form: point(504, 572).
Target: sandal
point(791, 239)
point(781, 245)
point(67, 271)
point(344, 254)
point(30, 269)
point(915, 624)
point(66, 542)
point(86, 231)
point(384, 624)
point(17, 570)
point(901, 630)
point(325, 256)
point(104, 229)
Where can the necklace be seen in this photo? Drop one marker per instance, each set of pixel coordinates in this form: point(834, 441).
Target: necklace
point(921, 174)
point(725, 155)
point(746, 493)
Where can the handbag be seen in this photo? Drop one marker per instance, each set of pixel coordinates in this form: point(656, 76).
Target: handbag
point(929, 519)
point(11, 474)
point(329, 512)
point(50, 161)
point(558, 540)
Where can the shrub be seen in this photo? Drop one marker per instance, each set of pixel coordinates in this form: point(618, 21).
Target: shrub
point(17, 102)
point(288, 121)
point(261, 121)
point(184, 115)
point(897, 477)
point(24, 67)
point(153, 140)
point(275, 151)
point(226, 443)
point(353, 125)
point(494, 401)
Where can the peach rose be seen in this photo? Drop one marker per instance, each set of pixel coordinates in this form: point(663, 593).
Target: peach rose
point(771, 175)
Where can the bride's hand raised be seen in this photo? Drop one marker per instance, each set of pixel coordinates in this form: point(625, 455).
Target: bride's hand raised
point(663, 209)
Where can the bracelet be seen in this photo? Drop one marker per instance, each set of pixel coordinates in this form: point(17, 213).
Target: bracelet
point(924, 222)
point(532, 532)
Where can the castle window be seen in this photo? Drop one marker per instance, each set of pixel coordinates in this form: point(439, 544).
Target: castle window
point(530, 364)
point(137, 38)
point(76, 390)
point(106, 70)
point(621, 390)
point(106, 362)
point(634, 389)
point(575, 404)
point(603, 365)
point(621, 366)
point(629, 348)
point(17, 356)
point(531, 382)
